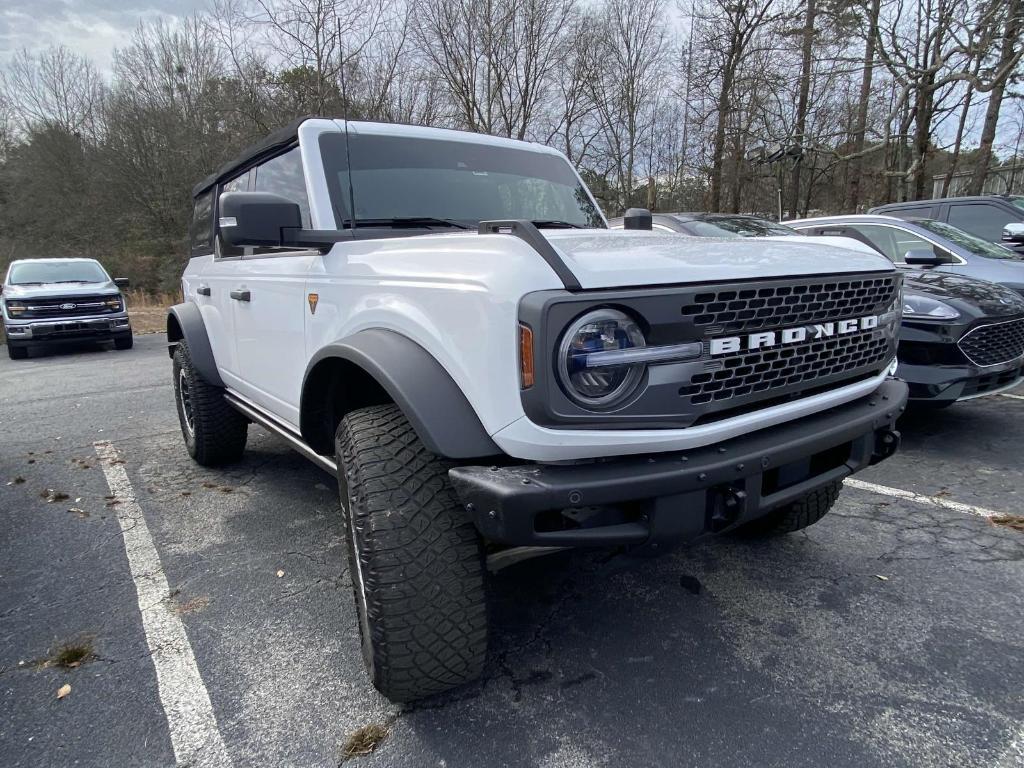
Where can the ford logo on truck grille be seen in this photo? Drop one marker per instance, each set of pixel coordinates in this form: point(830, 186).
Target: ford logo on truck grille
point(68, 306)
point(730, 344)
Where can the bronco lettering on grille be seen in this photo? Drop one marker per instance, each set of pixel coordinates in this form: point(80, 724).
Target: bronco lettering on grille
point(730, 344)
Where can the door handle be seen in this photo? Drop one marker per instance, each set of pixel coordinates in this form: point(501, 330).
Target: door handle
point(240, 295)
point(203, 290)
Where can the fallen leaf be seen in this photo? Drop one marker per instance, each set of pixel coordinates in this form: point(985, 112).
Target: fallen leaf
point(280, 574)
point(63, 691)
point(78, 512)
point(880, 577)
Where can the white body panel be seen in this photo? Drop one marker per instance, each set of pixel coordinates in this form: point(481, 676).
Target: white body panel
point(457, 296)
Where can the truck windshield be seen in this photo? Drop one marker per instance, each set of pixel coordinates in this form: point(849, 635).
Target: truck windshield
point(36, 272)
point(402, 179)
point(967, 241)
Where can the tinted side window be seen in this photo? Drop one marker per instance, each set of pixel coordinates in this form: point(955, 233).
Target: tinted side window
point(981, 219)
point(201, 229)
point(283, 176)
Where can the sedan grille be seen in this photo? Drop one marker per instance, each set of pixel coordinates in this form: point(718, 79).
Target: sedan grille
point(994, 344)
point(793, 368)
point(814, 301)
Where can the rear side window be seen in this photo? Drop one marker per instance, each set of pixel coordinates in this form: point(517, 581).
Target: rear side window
point(981, 219)
point(201, 229)
point(283, 176)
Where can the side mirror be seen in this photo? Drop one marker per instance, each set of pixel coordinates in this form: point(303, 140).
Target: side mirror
point(257, 218)
point(1013, 232)
point(122, 282)
point(263, 219)
point(638, 218)
point(924, 257)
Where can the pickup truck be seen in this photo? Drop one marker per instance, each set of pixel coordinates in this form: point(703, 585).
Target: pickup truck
point(445, 322)
point(48, 302)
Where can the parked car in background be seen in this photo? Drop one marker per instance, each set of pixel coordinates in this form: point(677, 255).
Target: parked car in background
point(959, 338)
point(924, 244)
point(51, 301)
point(733, 225)
point(984, 216)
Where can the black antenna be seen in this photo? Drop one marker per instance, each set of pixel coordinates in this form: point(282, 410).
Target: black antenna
point(348, 155)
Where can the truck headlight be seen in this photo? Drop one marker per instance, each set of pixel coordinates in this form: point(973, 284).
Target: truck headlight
point(113, 303)
point(590, 379)
point(916, 306)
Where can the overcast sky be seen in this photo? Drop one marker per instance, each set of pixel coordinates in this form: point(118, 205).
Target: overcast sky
point(90, 27)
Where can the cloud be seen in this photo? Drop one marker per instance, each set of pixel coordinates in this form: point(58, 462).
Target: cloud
point(93, 28)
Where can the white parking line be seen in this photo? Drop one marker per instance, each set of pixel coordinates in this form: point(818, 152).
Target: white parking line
point(194, 734)
point(920, 498)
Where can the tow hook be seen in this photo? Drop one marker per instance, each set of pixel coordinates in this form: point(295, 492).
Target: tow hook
point(886, 443)
point(726, 506)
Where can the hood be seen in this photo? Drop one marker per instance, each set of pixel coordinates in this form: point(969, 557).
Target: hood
point(60, 290)
point(834, 240)
point(612, 258)
point(971, 297)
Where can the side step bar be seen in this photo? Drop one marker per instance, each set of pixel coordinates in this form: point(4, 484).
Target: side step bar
point(495, 561)
point(271, 424)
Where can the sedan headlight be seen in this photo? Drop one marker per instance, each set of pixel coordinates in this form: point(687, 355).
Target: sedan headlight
point(918, 307)
point(594, 380)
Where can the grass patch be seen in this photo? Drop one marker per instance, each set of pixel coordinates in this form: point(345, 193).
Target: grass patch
point(71, 654)
point(148, 311)
point(364, 740)
point(1015, 522)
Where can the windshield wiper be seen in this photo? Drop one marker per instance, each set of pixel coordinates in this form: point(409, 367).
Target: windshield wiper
point(555, 224)
point(31, 282)
point(409, 221)
point(58, 282)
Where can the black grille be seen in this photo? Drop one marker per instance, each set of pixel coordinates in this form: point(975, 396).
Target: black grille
point(71, 306)
point(790, 367)
point(994, 344)
point(745, 309)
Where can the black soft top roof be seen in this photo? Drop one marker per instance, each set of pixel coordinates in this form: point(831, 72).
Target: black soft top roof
point(273, 143)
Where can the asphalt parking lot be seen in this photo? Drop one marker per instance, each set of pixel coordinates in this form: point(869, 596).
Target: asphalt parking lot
point(215, 613)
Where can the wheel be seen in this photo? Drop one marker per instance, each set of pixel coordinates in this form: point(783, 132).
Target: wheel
point(214, 432)
point(796, 516)
point(124, 342)
point(415, 559)
point(17, 353)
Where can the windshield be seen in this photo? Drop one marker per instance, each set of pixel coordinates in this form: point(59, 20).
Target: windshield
point(967, 241)
point(399, 177)
point(1018, 201)
point(738, 226)
point(29, 272)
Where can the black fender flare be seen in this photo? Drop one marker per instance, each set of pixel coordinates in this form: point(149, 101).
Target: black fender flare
point(185, 321)
point(416, 382)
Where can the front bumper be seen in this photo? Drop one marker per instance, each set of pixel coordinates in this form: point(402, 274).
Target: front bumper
point(673, 497)
point(69, 329)
point(945, 384)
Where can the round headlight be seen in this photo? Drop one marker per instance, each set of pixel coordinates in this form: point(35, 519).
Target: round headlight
point(586, 380)
point(916, 306)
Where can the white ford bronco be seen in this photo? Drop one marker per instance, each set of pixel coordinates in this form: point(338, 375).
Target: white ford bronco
point(444, 321)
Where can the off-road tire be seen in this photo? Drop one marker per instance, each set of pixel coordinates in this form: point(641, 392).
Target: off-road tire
point(415, 559)
point(124, 342)
point(217, 434)
point(796, 516)
point(17, 353)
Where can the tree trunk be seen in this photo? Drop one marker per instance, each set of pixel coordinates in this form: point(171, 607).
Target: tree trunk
point(801, 108)
point(951, 171)
point(717, 159)
point(1011, 33)
point(856, 168)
